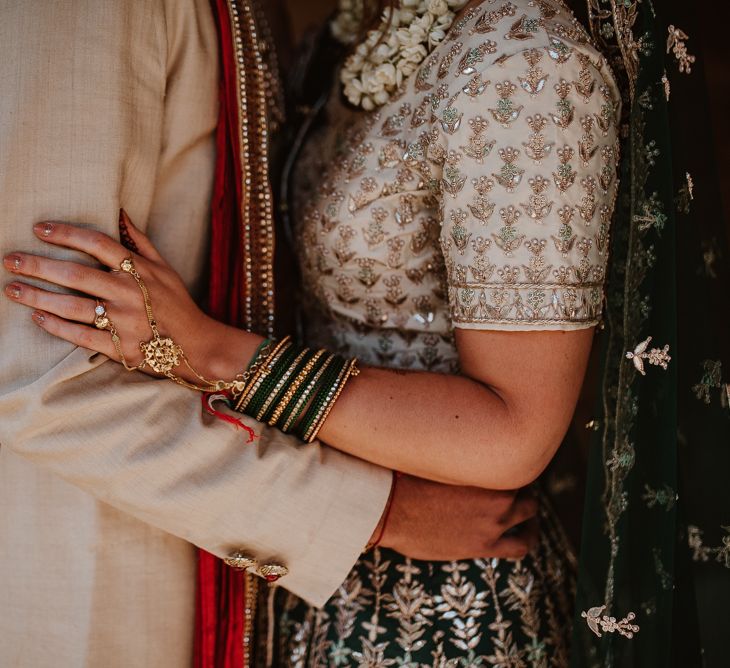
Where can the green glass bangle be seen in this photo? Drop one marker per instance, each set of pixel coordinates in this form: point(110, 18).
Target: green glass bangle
point(314, 426)
point(279, 390)
point(302, 381)
point(350, 371)
point(322, 391)
point(261, 377)
point(277, 369)
point(299, 404)
point(259, 373)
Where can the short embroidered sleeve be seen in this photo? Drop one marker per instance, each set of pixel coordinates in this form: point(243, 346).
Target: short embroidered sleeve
point(529, 151)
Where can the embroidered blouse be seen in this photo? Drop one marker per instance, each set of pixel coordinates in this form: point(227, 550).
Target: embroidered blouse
point(479, 197)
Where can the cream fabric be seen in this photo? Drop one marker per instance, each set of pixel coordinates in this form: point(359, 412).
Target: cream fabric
point(108, 104)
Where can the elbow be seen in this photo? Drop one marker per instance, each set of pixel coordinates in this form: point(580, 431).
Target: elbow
point(526, 455)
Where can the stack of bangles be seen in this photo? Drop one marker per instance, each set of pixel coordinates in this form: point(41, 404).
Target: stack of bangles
point(293, 388)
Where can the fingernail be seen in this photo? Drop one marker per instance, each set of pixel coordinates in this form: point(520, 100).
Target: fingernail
point(13, 262)
point(44, 229)
point(39, 317)
point(13, 291)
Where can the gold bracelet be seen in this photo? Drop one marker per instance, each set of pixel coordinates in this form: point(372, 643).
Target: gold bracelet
point(301, 377)
point(162, 355)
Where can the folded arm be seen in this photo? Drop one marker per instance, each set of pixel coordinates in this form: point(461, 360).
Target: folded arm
point(496, 426)
point(136, 128)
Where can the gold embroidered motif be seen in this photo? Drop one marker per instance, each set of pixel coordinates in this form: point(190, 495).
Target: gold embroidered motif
point(524, 28)
point(598, 622)
point(508, 239)
point(586, 84)
point(566, 239)
point(449, 58)
point(476, 86)
point(587, 144)
point(506, 111)
point(538, 206)
point(587, 206)
point(479, 146)
point(667, 87)
point(675, 44)
point(510, 175)
point(486, 21)
point(656, 356)
point(565, 175)
point(475, 55)
point(535, 80)
point(559, 51)
point(564, 117)
point(536, 147)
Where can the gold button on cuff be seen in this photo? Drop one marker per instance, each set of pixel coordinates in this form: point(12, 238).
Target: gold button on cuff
point(240, 561)
point(272, 572)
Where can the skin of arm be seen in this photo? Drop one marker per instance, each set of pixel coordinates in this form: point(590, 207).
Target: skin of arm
point(508, 413)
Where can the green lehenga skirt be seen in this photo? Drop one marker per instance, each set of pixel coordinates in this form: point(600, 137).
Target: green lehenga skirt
point(394, 611)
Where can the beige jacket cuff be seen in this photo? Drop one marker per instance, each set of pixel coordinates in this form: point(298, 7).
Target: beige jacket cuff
point(146, 447)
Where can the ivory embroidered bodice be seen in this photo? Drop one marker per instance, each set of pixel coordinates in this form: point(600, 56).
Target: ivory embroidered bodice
point(479, 197)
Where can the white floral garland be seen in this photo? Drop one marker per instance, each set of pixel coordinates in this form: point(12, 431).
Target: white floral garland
point(393, 51)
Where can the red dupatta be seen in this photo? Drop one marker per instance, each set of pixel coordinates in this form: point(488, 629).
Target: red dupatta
point(241, 267)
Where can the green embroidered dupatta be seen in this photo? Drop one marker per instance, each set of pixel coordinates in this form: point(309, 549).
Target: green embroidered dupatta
point(654, 578)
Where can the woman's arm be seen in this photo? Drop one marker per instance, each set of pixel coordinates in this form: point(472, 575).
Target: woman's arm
point(496, 427)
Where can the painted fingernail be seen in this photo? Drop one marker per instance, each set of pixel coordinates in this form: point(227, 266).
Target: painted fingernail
point(13, 262)
point(44, 229)
point(13, 291)
point(39, 317)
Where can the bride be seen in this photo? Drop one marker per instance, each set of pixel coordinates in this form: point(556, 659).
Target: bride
point(452, 208)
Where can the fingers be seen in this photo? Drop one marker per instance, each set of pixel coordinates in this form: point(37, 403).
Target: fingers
point(135, 239)
point(516, 545)
point(524, 508)
point(68, 274)
point(80, 309)
point(101, 246)
point(80, 335)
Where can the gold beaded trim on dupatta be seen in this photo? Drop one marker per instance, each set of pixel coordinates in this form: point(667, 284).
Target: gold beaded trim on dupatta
point(259, 101)
point(255, 94)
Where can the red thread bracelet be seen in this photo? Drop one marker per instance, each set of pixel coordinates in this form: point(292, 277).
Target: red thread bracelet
point(386, 513)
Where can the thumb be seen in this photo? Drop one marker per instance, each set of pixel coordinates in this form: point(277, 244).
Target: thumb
point(134, 239)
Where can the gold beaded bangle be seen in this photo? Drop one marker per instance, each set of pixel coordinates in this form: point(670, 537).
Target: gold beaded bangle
point(296, 384)
point(261, 374)
point(351, 370)
point(277, 388)
point(347, 371)
point(305, 396)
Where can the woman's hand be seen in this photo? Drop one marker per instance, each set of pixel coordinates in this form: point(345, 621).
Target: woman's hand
point(71, 317)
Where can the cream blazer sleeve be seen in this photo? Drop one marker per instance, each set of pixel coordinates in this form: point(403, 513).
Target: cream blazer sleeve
point(110, 104)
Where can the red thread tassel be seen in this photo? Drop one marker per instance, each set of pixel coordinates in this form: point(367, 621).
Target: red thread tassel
point(208, 401)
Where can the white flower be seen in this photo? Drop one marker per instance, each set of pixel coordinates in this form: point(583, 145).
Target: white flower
point(392, 52)
point(438, 7)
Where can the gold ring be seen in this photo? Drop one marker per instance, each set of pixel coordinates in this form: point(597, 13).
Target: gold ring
point(101, 319)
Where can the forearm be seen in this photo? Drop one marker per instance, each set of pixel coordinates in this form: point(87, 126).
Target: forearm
point(443, 427)
point(495, 428)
